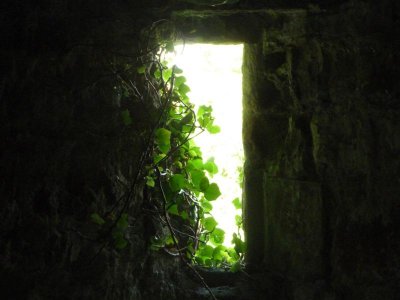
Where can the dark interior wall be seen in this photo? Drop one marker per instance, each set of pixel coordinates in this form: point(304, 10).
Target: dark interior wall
point(321, 128)
point(321, 137)
point(65, 152)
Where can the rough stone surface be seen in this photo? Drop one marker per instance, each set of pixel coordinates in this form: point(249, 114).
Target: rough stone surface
point(322, 124)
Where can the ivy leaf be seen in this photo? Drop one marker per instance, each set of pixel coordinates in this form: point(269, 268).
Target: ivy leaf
point(150, 181)
point(95, 217)
point(183, 89)
point(210, 166)
point(163, 137)
point(217, 236)
point(177, 182)
point(158, 158)
point(122, 222)
point(167, 74)
point(238, 220)
point(196, 163)
point(240, 246)
point(141, 69)
point(173, 210)
point(126, 117)
point(209, 223)
point(177, 70)
point(206, 251)
point(204, 184)
point(196, 176)
point(212, 192)
point(206, 206)
point(169, 46)
point(236, 267)
point(213, 129)
point(121, 243)
point(219, 253)
point(179, 80)
point(237, 203)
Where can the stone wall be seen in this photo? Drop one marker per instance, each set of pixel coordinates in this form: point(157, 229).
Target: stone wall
point(321, 136)
point(65, 152)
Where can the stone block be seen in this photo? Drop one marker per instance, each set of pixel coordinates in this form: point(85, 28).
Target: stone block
point(293, 227)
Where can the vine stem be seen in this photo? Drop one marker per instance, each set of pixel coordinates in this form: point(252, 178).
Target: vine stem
point(171, 230)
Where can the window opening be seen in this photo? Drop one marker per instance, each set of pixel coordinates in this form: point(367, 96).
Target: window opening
point(213, 73)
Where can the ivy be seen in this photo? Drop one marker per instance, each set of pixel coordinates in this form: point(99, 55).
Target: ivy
point(179, 173)
point(177, 176)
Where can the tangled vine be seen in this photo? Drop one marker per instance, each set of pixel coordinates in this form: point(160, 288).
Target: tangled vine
point(176, 175)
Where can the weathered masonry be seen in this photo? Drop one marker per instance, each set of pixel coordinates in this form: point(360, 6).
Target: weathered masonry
point(321, 135)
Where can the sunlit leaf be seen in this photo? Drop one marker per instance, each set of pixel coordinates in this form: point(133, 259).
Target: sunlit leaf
point(177, 182)
point(183, 89)
point(206, 251)
point(212, 192)
point(238, 220)
point(236, 267)
point(236, 202)
point(210, 166)
point(209, 223)
point(204, 184)
point(218, 236)
point(213, 129)
point(207, 206)
point(150, 181)
point(163, 139)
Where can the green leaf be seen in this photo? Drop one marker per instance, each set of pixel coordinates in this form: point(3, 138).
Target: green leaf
point(177, 182)
point(238, 220)
point(196, 163)
point(237, 203)
point(122, 222)
point(150, 181)
point(212, 192)
point(236, 267)
point(158, 158)
point(219, 253)
point(204, 184)
point(141, 69)
point(121, 243)
point(183, 89)
point(173, 210)
point(169, 46)
point(179, 80)
point(95, 217)
point(207, 206)
point(206, 251)
point(217, 236)
point(196, 177)
point(210, 166)
point(213, 129)
point(187, 119)
point(126, 117)
point(240, 246)
point(157, 74)
point(177, 70)
point(166, 74)
point(163, 137)
point(209, 223)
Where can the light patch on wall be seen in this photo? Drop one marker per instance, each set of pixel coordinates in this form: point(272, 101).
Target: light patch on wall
point(213, 73)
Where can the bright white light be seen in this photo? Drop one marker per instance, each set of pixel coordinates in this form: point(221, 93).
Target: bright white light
point(213, 73)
